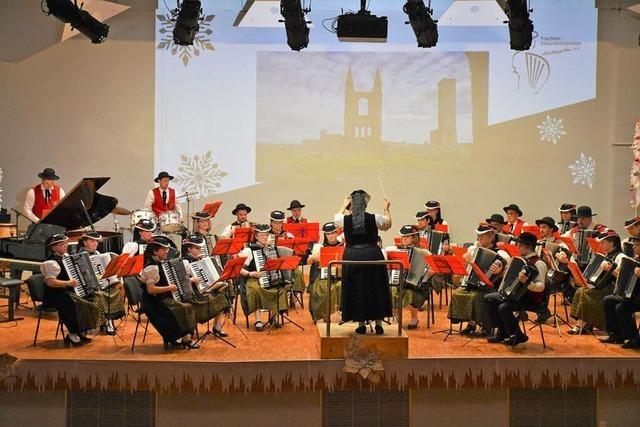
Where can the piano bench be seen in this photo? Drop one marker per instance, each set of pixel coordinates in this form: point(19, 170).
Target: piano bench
point(13, 285)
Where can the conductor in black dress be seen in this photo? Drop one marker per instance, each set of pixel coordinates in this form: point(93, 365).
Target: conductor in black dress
point(365, 288)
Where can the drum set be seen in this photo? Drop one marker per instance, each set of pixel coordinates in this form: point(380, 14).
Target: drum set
point(168, 224)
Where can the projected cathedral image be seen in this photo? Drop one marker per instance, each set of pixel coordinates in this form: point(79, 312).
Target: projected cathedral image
point(330, 213)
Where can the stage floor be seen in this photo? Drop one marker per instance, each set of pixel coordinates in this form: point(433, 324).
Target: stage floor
point(288, 343)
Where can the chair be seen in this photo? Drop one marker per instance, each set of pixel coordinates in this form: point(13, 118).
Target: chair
point(523, 316)
point(36, 287)
point(133, 291)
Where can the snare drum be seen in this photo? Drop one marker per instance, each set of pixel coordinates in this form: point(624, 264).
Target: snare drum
point(139, 214)
point(8, 230)
point(170, 222)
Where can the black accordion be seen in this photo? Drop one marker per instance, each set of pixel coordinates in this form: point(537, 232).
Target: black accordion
point(80, 268)
point(558, 273)
point(414, 276)
point(511, 288)
point(436, 240)
point(484, 259)
point(582, 246)
point(176, 274)
point(597, 277)
point(275, 278)
point(627, 284)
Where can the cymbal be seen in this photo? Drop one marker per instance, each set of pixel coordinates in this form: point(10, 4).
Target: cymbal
point(121, 211)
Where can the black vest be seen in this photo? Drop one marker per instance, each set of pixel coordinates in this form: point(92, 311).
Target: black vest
point(370, 235)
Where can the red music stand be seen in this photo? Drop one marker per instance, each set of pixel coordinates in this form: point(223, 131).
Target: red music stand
point(443, 228)
point(232, 268)
point(569, 242)
point(401, 256)
point(308, 231)
point(212, 208)
point(243, 234)
point(483, 277)
point(577, 274)
point(275, 264)
point(509, 248)
point(228, 247)
point(330, 253)
point(596, 247)
point(115, 265)
point(132, 266)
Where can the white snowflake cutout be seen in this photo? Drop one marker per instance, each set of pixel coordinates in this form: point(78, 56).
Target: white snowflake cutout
point(551, 130)
point(200, 174)
point(583, 170)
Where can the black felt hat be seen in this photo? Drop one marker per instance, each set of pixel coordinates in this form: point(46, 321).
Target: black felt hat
point(549, 221)
point(295, 204)
point(161, 175)
point(277, 216)
point(585, 212)
point(512, 207)
point(48, 174)
point(262, 228)
point(57, 238)
point(329, 227)
point(408, 230)
point(496, 218)
point(241, 207)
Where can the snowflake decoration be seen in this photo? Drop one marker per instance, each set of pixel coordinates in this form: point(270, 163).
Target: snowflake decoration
point(199, 174)
point(583, 170)
point(201, 43)
point(551, 130)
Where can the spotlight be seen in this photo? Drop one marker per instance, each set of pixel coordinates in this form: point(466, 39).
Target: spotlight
point(421, 20)
point(520, 26)
point(295, 23)
point(189, 13)
point(81, 20)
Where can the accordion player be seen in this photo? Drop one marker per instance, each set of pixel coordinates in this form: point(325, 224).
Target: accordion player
point(78, 314)
point(620, 307)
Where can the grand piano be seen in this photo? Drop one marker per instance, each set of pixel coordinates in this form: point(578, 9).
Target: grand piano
point(81, 207)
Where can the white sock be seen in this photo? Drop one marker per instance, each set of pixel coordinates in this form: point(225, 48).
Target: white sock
point(74, 337)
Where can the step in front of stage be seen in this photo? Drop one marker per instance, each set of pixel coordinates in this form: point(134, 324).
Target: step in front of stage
point(389, 345)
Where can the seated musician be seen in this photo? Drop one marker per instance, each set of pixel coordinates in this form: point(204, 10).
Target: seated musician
point(502, 311)
point(254, 297)
point(633, 228)
point(467, 301)
point(434, 214)
point(422, 223)
point(212, 304)
point(78, 314)
point(276, 219)
point(162, 198)
point(497, 222)
point(586, 305)
point(142, 235)
point(202, 228)
point(318, 298)
point(567, 217)
point(43, 197)
point(514, 223)
point(414, 299)
point(296, 213)
point(241, 211)
point(548, 234)
point(114, 294)
point(174, 321)
point(619, 312)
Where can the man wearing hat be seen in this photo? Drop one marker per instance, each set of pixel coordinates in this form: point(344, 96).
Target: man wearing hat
point(111, 291)
point(619, 312)
point(497, 222)
point(586, 305)
point(567, 217)
point(502, 311)
point(162, 198)
point(43, 197)
point(514, 224)
point(318, 279)
point(414, 299)
point(241, 211)
point(142, 235)
point(296, 213)
point(584, 221)
point(78, 314)
point(467, 302)
point(172, 319)
point(211, 304)
point(633, 228)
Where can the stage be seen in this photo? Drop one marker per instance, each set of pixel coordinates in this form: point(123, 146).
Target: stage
point(290, 359)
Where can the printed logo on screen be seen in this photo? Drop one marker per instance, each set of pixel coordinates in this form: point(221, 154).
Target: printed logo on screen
point(200, 175)
point(201, 44)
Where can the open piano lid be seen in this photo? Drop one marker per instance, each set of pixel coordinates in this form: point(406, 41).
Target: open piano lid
point(69, 213)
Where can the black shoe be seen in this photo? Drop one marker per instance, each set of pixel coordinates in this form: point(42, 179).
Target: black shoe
point(497, 338)
point(84, 338)
point(468, 330)
point(612, 339)
point(379, 330)
point(516, 339)
point(68, 342)
point(482, 333)
point(259, 326)
point(190, 345)
point(362, 329)
point(632, 343)
point(543, 317)
point(413, 325)
point(219, 333)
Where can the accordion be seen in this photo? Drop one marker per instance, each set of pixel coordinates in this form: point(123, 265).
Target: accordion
point(80, 268)
point(436, 240)
point(100, 263)
point(511, 288)
point(627, 248)
point(582, 246)
point(207, 271)
point(268, 279)
point(596, 276)
point(566, 226)
point(176, 274)
point(627, 284)
point(483, 258)
point(413, 278)
point(504, 238)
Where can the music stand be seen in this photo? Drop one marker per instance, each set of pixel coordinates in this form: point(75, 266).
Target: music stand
point(279, 264)
point(584, 283)
point(231, 271)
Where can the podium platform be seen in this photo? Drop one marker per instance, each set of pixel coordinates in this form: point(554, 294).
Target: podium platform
point(390, 345)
